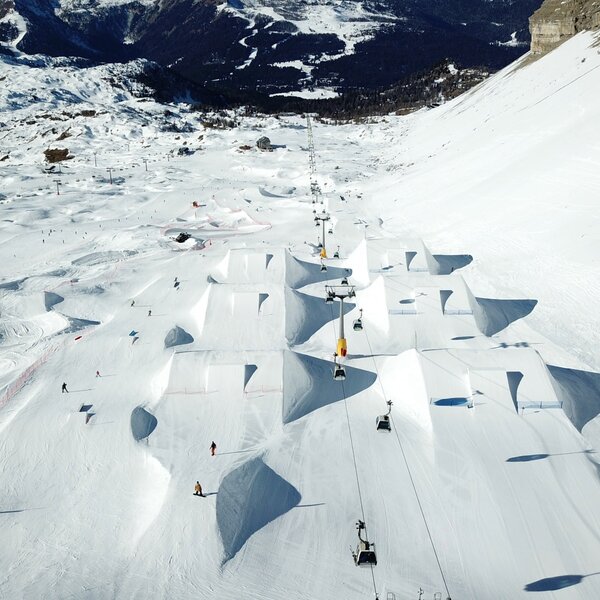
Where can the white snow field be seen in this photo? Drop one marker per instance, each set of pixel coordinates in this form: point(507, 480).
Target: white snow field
point(471, 236)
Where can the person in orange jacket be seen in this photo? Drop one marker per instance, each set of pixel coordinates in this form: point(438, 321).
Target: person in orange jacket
point(198, 489)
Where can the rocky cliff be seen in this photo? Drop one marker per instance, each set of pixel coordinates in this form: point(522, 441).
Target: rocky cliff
point(558, 20)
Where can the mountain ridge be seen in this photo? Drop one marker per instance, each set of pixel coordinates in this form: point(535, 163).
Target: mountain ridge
point(282, 46)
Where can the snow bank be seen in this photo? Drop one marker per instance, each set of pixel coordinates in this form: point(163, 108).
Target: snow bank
point(493, 315)
point(305, 315)
point(308, 385)
point(51, 299)
point(177, 337)
point(143, 423)
point(579, 392)
point(249, 498)
point(300, 273)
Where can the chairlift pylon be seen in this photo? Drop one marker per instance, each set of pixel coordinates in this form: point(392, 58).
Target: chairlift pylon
point(383, 422)
point(365, 551)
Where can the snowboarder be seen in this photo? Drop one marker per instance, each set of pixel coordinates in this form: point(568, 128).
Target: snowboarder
point(149, 313)
point(64, 388)
point(133, 303)
point(97, 373)
point(198, 489)
point(213, 449)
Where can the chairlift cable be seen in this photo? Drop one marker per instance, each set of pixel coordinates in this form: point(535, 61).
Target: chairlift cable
point(360, 498)
point(408, 469)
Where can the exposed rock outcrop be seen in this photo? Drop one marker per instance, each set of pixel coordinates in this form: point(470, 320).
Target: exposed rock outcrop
point(558, 20)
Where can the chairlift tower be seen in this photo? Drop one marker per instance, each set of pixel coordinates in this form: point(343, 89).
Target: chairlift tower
point(340, 293)
point(312, 162)
point(321, 220)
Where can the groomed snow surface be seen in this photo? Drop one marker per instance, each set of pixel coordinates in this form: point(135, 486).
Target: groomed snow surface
point(471, 236)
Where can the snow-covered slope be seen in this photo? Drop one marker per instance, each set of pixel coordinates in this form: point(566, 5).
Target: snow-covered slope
point(487, 487)
point(511, 171)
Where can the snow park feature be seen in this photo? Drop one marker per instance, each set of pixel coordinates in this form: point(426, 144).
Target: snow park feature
point(464, 432)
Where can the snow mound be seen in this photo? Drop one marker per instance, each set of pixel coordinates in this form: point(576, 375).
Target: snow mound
point(177, 337)
point(579, 392)
point(97, 258)
point(249, 370)
point(12, 286)
point(305, 315)
point(143, 423)
point(76, 324)
point(493, 315)
point(300, 273)
point(444, 264)
point(276, 191)
point(308, 385)
point(51, 299)
point(249, 498)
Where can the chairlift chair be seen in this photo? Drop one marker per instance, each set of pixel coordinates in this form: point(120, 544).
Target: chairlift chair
point(383, 422)
point(358, 325)
point(323, 267)
point(365, 551)
point(339, 373)
point(330, 231)
point(336, 254)
point(345, 281)
point(365, 554)
point(329, 298)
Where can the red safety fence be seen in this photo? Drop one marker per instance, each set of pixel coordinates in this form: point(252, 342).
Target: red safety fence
point(13, 388)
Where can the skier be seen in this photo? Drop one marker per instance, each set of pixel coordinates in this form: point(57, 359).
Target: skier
point(64, 388)
point(133, 303)
point(198, 489)
point(97, 373)
point(149, 313)
point(213, 449)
